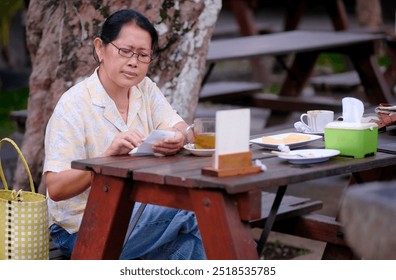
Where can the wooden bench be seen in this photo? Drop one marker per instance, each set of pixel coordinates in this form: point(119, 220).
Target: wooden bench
point(321, 228)
point(306, 47)
point(55, 253)
point(340, 234)
point(19, 117)
point(296, 217)
point(290, 207)
point(250, 94)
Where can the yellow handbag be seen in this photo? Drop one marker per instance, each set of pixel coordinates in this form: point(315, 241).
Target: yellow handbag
point(24, 233)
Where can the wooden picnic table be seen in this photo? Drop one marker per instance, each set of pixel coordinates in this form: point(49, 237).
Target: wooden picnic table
point(306, 46)
point(223, 206)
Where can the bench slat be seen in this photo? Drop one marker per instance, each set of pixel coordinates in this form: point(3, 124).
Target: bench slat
point(285, 43)
point(300, 103)
point(313, 226)
point(250, 94)
point(291, 206)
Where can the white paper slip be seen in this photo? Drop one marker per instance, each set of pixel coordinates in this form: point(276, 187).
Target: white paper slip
point(145, 149)
point(232, 132)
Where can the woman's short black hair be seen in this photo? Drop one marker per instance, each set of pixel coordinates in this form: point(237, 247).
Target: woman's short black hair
point(113, 24)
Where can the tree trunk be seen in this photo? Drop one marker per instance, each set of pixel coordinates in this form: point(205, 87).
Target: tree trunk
point(60, 35)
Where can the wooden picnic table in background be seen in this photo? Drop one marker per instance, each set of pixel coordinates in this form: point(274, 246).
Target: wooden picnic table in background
point(306, 46)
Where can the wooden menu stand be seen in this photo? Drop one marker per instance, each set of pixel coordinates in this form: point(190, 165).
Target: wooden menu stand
point(232, 164)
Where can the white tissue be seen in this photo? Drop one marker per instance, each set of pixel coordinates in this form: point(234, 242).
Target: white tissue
point(352, 110)
point(300, 127)
point(284, 148)
point(261, 164)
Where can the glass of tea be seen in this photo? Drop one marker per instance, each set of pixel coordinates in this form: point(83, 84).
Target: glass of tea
point(204, 130)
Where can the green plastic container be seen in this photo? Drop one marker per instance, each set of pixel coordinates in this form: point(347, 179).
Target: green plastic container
point(356, 140)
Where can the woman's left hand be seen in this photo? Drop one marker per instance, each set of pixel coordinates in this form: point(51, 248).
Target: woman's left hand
point(170, 146)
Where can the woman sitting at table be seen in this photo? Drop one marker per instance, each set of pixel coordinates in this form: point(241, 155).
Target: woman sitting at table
point(107, 114)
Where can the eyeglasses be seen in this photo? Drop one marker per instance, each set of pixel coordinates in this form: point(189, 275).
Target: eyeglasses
point(144, 58)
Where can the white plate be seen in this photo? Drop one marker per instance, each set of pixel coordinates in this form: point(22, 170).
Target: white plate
point(315, 133)
point(294, 144)
point(198, 152)
point(309, 155)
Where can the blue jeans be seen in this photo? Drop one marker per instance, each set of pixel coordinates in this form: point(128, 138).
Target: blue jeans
point(161, 233)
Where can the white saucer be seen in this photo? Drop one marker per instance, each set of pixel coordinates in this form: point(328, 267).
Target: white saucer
point(309, 156)
point(198, 152)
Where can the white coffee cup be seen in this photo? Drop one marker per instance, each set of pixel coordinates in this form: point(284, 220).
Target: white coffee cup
point(317, 119)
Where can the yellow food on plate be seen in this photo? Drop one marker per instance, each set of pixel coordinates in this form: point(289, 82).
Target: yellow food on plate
point(290, 138)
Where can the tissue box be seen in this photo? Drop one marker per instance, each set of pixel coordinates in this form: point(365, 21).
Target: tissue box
point(352, 139)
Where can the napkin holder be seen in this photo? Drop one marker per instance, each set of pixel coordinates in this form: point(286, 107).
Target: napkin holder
point(232, 165)
point(356, 140)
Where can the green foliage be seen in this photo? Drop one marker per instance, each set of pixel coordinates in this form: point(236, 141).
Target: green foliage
point(8, 9)
point(384, 60)
point(273, 88)
point(334, 61)
point(337, 62)
point(11, 101)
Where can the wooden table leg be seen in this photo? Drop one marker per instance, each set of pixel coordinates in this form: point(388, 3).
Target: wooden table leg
point(294, 11)
point(299, 73)
point(271, 219)
point(337, 252)
point(105, 220)
point(377, 174)
point(247, 27)
point(335, 9)
point(337, 13)
point(365, 63)
point(294, 83)
point(223, 233)
point(244, 17)
point(390, 73)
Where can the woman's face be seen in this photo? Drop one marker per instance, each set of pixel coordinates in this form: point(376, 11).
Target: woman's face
point(117, 71)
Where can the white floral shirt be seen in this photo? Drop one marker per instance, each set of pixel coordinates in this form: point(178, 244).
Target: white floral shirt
point(85, 122)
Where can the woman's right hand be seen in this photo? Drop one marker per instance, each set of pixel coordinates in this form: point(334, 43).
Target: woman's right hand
point(69, 183)
point(124, 142)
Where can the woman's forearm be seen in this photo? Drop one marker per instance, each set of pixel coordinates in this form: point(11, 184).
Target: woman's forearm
point(67, 184)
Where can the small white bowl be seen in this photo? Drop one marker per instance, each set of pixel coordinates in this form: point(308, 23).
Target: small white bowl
point(198, 152)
